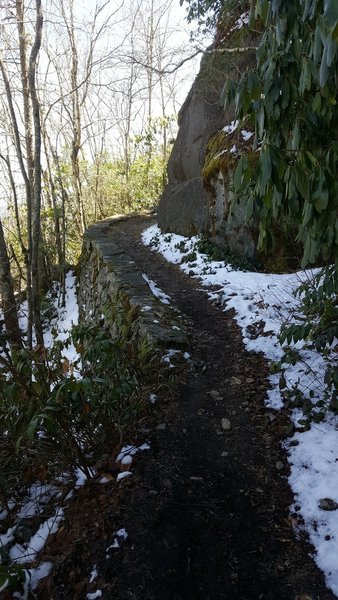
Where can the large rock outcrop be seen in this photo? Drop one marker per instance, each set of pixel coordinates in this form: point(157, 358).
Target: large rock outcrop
point(184, 206)
point(196, 200)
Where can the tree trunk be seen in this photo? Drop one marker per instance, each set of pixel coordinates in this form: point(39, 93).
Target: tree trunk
point(53, 196)
point(76, 119)
point(27, 114)
point(8, 298)
point(36, 225)
point(28, 189)
point(64, 199)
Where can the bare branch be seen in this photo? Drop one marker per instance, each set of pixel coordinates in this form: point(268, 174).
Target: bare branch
point(167, 71)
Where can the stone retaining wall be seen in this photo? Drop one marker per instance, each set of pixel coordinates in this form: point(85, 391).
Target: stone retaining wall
point(112, 291)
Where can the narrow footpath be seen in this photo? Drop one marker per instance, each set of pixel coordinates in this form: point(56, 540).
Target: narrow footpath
point(207, 509)
point(210, 519)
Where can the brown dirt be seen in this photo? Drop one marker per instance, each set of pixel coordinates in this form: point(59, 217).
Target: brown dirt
point(207, 511)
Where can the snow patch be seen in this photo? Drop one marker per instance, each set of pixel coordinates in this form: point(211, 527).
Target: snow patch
point(94, 595)
point(231, 127)
point(164, 298)
point(21, 554)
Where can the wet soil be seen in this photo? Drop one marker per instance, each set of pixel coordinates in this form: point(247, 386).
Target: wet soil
point(207, 510)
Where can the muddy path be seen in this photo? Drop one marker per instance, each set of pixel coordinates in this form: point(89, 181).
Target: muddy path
point(207, 509)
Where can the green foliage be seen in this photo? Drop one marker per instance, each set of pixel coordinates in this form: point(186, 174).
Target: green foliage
point(110, 185)
point(209, 12)
point(190, 257)
point(12, 578)
point(109, 381)
point(181, 246)
point(57, 416)
point(216, 253)
point(291, 101)
point(319, 329)
point(289, 174)
point(206, 12)
point(52, 418)
point(113, 186)
point(134, 182)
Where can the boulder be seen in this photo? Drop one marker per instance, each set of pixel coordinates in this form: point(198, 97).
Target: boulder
point(197, 197)
point(184, 208)
point(229, 229)
point(184, 204)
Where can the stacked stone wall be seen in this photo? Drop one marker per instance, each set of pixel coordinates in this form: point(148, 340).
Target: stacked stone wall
point(112, 292)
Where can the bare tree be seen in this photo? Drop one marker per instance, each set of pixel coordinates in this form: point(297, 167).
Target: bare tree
point(28, 152)
point(36, 204)
point(99, 80)
point(75, 112)
point(8, 298)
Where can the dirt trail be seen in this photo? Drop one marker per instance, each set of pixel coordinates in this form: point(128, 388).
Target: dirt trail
point(209, 519)
point(207, 511)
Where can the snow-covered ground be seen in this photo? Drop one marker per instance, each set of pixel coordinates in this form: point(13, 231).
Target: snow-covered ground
point(262, 302)
point(60, 325)
point(36, 497)
point(64, 319)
